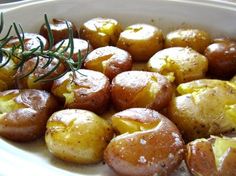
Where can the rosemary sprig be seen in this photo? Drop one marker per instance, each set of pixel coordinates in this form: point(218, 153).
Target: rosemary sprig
point(23, 55)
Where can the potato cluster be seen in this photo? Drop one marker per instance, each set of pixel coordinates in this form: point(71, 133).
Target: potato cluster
point(165, 91)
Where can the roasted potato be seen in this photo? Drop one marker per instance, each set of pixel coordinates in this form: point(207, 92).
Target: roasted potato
point(148, 144)
point(87, 89)
point(193, 38)
point(204, 107)
point(179, 64)
point(31, 41)
point(24, 113)
point(28, 82)
point(80, 45)
point(78, 136)
point(142, 41)
point(140, 89)
point(109, 60)
point(59, 30)
point(215, 156)
point(101, 31)
point(222, 59)
point(7, 73)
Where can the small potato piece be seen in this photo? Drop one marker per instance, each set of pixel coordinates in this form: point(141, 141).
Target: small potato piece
point(193, 38)
point(24, 113)
point(87, 89)
point(59, 30)
point(28, 81)
point(142, 41)
point(215, 156)
point(140, 89)
point(78, 136)
point(101, 32)
point(79, 45)
point(149, 144)
point(200, 158)
point(204, 107)
point(109, 60)
point(222, 59)
point(179, 64)
point(7, 74)
point(31, 41)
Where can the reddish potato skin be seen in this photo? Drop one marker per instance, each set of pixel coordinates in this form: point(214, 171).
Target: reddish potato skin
point(30, 41)
point(79, 45)
point(222, 58)
point(118, 60)
point(228, 163)
point(126, 85)
point(59, 30)
point(39, 71)
point(29, 123)
point(200, 158)
point(93, 93)
point(161, 153)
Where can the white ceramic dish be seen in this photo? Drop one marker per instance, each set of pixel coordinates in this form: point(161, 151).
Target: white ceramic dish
point(217, 17)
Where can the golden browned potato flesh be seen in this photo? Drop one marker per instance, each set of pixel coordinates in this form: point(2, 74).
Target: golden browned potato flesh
point(142, 41)
point(215, 156)
point(78, 136)
point(109, 60)
point(59, 30)
point(29, 82)
point(140, 89)
point(101, 31)
point(7, 73)
point(86, 89)
point(148, 144)
point(80, 45)
point(24, 113)
point(179, 64)
point(204, 107)
point(222, 59)
point(193, 38)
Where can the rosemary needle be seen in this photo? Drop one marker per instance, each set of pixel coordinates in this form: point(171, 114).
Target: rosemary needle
point(24, 55)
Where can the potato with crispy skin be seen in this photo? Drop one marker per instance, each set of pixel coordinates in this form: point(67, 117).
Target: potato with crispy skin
point(24, 113)
point(193, 38)
point(100, 31)
point(179, 64)
point(59, 30)
point(86, 89)
point(215, 156)
point(204, 107)
point(78, 136)
point(109, 60)
point(140, 89)
point(28, 82)
point(7, 73)
point(142, 41)
point(80, 45)
point(222, 59)
point(148, 144)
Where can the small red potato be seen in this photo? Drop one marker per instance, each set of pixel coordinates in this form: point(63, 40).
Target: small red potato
point(109, 60)
point(59, 30)
point(140, 89)
point(86, 89)
point(148, 144)
point(222, 59)
point(28, 82)
point(24, 113)
point(79, 45)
